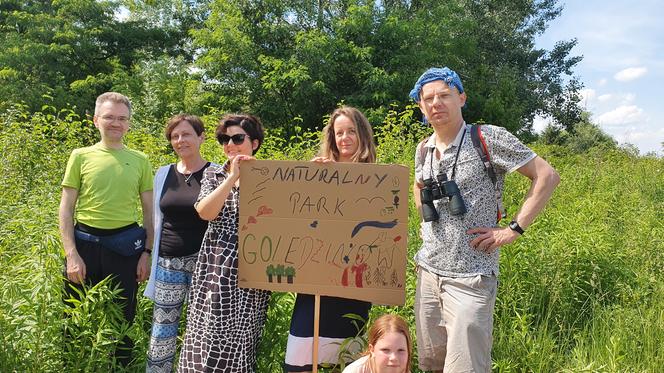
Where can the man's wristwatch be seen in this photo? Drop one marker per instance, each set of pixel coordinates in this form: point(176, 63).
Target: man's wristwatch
point(516, 227)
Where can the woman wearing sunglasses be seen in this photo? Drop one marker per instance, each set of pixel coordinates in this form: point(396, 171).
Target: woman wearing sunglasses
point(224, 322)
point(178, 233)
point(346, 138)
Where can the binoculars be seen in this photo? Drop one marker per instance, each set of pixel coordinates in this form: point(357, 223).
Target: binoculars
point(434, 190)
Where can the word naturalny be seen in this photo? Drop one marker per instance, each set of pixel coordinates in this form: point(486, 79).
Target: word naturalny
point(336, 229)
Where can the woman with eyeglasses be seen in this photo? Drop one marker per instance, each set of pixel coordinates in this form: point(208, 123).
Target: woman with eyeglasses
point(178, 233)
point(224, 322)
point(347, 137)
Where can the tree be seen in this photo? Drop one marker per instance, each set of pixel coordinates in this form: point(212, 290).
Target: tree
point(270, 270)
point(289, 61)
point(507, 79)
point(588, 135)
point(292, 59)
point(279, 271)
point(69, 50)
point(553, 135)
point(582, 136)
point(290, 273)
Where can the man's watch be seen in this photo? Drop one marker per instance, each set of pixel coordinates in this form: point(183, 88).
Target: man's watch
point(516, 227)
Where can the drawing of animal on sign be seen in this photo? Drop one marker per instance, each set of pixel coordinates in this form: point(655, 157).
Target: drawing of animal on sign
point(336, 229)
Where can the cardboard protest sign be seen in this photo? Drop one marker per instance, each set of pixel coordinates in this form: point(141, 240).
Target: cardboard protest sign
point(336, 229)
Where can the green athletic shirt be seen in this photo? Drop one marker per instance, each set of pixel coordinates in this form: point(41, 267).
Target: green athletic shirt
point(109, 184)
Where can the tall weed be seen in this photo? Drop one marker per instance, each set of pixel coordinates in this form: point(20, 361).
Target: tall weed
point(581, 291)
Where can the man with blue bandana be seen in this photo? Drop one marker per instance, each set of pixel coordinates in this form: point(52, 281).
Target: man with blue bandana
point(458, 260)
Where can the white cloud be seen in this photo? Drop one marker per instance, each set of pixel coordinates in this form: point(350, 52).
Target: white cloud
point(623, 99)
point(628, 98)
point(630, 73)
point(588, 94)
point(631, 134)
point(540, 123)
point(622, 115)
point(602, 82)
point(605, 97)
point(645, 137)
point(587, 97)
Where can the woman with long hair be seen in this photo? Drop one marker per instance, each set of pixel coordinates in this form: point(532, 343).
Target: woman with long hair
point(347, 137)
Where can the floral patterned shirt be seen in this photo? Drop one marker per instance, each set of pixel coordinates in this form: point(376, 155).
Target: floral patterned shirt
point(446, 249)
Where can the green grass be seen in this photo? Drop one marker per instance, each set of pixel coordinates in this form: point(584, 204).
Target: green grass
point(582, 291)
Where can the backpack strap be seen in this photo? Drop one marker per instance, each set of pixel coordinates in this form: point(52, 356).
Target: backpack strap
point(422, 149)
point(479, 143)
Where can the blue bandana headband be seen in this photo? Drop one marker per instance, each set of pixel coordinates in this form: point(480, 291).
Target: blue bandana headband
point(445, 74)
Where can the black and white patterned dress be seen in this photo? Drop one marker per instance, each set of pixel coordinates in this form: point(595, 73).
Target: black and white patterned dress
point(224, 322)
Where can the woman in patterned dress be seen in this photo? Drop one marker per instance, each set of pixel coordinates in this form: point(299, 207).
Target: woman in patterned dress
point(348, 137)
point(224, 322)
point(178, 233)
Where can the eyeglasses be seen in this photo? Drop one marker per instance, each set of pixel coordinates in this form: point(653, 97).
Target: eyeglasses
point(441, 97)
point(237, 138)
point(111, 119)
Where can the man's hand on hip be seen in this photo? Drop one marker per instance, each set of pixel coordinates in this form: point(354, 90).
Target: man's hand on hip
point(489, 239)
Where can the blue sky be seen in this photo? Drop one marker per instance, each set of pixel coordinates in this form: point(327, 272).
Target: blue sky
point(622, 44)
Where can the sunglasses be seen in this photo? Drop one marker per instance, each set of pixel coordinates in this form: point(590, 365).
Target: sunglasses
point(237, 139)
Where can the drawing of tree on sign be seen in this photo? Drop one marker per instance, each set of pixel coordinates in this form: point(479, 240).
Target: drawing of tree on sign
point(394, 278)
point(290, 273)
point(270, 272)
point(379, 276)
point(280, 271)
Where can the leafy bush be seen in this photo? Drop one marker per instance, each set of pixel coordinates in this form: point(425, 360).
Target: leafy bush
point(581, 291)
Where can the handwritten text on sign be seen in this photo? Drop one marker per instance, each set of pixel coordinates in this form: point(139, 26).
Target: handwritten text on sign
point(337, 229)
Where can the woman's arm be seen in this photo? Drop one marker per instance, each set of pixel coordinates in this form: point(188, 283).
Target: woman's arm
point(209, 206)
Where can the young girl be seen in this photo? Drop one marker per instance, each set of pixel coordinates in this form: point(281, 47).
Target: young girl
point(389, 348)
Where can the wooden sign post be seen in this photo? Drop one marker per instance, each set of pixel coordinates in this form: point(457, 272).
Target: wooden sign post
point(314, 358)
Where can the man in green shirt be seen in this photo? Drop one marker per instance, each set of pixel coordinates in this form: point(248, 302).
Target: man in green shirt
point(101, 189)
